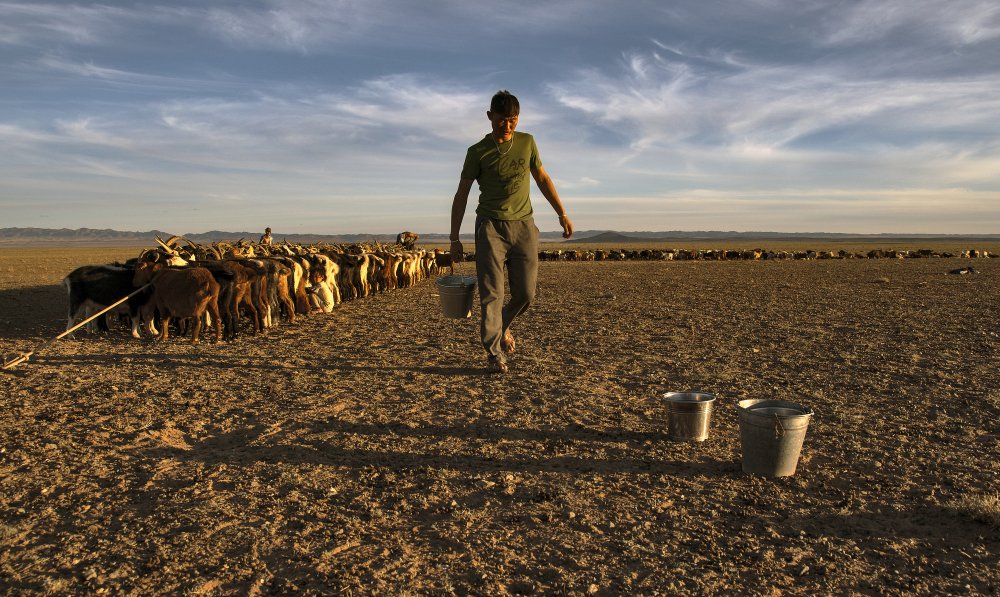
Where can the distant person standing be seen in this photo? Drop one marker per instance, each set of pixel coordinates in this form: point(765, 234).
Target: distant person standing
point(407, 239)
point(266, 239)
point(505, 229)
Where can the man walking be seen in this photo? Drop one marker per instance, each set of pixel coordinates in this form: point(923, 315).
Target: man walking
point(505, 229)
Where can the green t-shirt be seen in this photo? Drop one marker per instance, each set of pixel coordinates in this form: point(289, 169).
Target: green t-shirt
point(503, 176)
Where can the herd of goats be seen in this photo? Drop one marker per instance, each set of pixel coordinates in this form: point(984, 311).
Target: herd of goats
point(218, 283)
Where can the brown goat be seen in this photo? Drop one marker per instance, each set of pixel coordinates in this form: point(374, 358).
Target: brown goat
point(180, 293)
point(443, 260)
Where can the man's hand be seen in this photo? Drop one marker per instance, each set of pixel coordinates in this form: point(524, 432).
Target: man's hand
point(567, 226)
point(456, 252)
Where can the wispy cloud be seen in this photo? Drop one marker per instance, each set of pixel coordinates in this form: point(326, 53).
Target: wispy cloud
point(304, 26)
point(411, 105)
point(134, 80)
point(314, 25)
point(959, 22)
point(387, 128)
point(22, 23)
point(297, 26)
point(776, 113)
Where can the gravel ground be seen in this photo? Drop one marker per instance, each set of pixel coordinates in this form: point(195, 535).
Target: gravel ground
point(366, 451)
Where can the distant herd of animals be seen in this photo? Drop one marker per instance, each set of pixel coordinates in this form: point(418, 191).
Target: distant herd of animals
point(741, 254)
point(220, 284)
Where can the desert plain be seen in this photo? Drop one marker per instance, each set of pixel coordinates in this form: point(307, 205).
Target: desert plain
point(367, 451)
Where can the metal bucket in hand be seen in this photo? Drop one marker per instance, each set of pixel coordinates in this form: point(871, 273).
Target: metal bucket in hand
point(457, 294)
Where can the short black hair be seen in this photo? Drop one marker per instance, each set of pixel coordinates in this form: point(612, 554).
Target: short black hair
point(505, 104)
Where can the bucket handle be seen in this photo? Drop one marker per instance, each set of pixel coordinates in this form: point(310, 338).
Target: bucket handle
point(779, 429)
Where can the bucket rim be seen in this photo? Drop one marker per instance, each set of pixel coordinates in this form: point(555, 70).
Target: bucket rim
point(749, 405)
point(456, 281)
point(692, 397)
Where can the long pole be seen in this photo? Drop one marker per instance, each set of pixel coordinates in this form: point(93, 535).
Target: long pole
point(25, 355)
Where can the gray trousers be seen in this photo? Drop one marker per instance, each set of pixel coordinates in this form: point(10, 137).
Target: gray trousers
point(499, 243)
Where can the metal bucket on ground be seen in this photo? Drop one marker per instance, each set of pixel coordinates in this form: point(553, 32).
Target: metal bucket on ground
point(689, 415)
point(771, 435)
point(457, 293)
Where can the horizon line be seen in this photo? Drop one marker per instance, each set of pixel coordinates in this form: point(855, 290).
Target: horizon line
point(556, 231)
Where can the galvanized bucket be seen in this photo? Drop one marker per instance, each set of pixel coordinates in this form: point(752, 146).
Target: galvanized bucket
point(771, 435)
point(689, 415)
point(457, 294)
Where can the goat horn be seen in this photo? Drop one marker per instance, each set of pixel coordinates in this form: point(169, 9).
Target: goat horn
point(170, 250)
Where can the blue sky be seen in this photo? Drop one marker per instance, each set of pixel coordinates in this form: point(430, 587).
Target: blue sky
point(351, 116)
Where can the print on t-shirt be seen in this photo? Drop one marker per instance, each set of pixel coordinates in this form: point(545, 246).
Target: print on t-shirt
point(513, 173)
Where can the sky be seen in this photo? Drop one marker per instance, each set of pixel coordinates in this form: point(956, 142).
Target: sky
point(353, 116)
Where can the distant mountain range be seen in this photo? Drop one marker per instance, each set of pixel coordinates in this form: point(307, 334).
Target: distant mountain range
point(92, 236)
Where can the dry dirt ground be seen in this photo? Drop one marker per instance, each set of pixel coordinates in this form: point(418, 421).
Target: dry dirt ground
point(367, 452)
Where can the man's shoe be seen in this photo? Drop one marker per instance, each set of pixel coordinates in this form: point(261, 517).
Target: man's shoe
point(507, 343)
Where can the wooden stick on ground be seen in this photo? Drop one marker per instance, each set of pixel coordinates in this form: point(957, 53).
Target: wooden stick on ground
point(22, 357)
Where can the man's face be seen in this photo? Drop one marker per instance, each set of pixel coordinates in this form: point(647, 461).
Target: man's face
point(503, 126)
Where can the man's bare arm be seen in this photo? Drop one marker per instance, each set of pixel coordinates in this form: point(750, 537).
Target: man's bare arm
point(458, 206)
point(548, 189)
